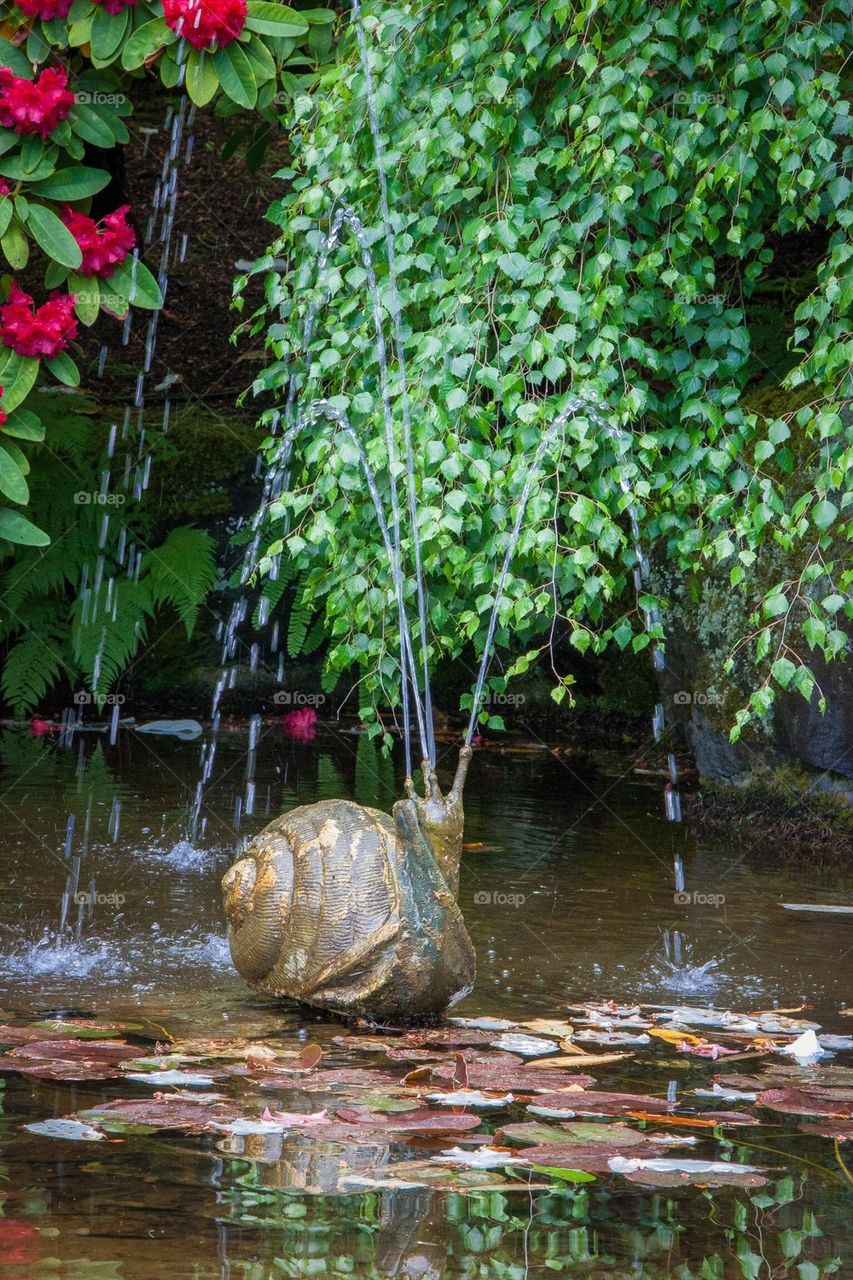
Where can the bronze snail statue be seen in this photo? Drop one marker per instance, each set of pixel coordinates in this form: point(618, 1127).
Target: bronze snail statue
point(354, 910)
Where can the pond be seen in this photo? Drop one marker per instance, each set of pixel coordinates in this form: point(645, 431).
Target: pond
point(568, 891)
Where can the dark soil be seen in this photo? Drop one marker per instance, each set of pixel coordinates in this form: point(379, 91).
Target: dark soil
point(221, 207)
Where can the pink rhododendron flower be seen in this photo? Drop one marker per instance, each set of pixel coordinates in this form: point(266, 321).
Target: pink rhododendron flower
point(34, 106)
point(37, 331)
point(40, 728)
point(300, 725)
point(115, 6)
point(5, 188)
point(104, 245)
point(201, 22)
point(45, 9)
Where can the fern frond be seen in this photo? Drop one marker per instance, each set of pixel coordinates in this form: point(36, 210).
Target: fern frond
point(33, 665)
point(182, 571)
point(105, 645)
point(301, 617)
point(274, 589)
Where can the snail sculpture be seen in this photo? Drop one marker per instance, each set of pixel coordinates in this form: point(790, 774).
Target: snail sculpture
point(354, 910)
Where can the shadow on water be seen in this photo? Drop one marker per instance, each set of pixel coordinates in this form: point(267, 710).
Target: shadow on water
point(567, 889)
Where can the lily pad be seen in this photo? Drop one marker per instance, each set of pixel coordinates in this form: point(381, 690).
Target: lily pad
point(73, 1130)
point(802, 1103)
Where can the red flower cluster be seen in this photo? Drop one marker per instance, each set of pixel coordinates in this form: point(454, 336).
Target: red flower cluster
point(44, 9)
point(115, 6)
point(37, 331)
point(34, 106)
point(201, 22)
point(104, 245)
point(5, 187)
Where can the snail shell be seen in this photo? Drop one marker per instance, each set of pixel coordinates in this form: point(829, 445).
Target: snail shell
point(354, 910)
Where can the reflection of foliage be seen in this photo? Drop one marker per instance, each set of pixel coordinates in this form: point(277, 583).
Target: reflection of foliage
point(697, 1236)
point(40, 586)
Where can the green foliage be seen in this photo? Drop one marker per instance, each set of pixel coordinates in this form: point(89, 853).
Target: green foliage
point(583, 197)
point(54, 632)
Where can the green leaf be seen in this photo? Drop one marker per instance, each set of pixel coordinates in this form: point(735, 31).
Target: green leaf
point(16, 528)
point(274, 19)
point(87, 295)
point(53, 236)
point(64, 369)
point(14, 244)
point(18, 377)
point(108, 33)
point(783, 671)
point(202, 80)
point(134, 283)
point(6, 211)
point(24, 425)
point(236, 75)
point(11, 56)
point(146, 40)
point(12, 482)
point(75, 183)
point(565, 1175)
point(824, 513)
point(92, 126)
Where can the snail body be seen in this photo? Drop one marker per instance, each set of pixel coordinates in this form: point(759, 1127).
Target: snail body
point(354, 910)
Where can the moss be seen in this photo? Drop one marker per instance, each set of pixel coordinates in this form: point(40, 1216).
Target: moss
point(779, 809)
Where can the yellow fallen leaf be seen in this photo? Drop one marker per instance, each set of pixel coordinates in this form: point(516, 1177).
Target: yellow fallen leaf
point(583, 1060)
point(549, 1027)
point(674, 1037)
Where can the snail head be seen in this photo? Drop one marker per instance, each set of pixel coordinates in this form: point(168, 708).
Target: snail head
point(439, 818)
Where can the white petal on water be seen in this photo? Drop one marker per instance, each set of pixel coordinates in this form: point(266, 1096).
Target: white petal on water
point(479, 1158)
point(470, 1098)
point(527, 1046)
point(74, 1130)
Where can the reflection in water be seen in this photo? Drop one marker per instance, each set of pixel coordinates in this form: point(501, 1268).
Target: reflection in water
point(564, 894)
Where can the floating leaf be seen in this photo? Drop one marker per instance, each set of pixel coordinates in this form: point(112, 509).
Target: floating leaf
point(74, 1130)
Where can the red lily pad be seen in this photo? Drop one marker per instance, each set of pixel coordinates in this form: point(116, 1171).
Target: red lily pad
point(411, 1121)
point(603, 1104)
point(801, 1102)
point(657, 1178)
point(70, 1059)
point(163, 1112)
point(520, 1079)
point(839, 1130)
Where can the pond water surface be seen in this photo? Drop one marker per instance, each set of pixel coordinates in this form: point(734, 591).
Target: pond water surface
point(568, 892)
